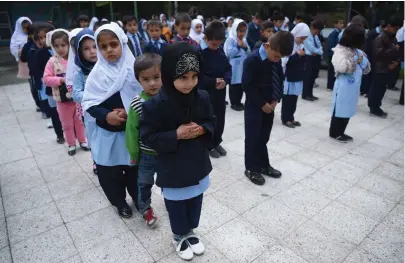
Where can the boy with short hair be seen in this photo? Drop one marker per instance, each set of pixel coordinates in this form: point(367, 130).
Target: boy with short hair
point(136, 42)
point(217, 74)
point(314, 50)
point(182, 26)
point(83, 21)
point(266, 31)
point(254, 29)
point(147, 72)
point(156, 44)
point(262, 82)
point(333, 40)
point(278, 20)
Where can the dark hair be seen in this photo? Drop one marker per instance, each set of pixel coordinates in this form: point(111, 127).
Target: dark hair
point(42, 26)
point(225, 24)
point(83, 18)
point(283, 42)
point(243, 23)
point(153, 22)
point(359, 20)
point(265, 25)
point(215, 31)
point(260, 15)
point(128, 18)
point(30, 29)
point(301, 16)
point(106, 32)
point(353, 36)
point(98, 24)
point(317, 24)
point(60, 34)
point(337, 20)
point(277, 16)
point(182, 18)
point(146, 61)
point(395, 21)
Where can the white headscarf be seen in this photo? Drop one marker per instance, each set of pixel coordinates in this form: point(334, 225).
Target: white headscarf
point(228, 18)
point(233, 34)
point(49, 38)
point(400, 35)
point(200, 17)
point(161, 17)
point(107, 78)
point(193, 33)
point(104, 20)
point(19, 38)
point(300, 30)
point(71, 66)
point(285, 27)
point(93, 21)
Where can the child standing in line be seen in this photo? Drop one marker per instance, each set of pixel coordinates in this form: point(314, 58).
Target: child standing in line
point(143, 30)
point(147, 72)
point(18, 39)
point(266, 31)
point(197, 30)
point(262, 82)
point(54, 77)
point(294, 75)
point(85, 59)
point(236, 48)
point(156, 44)
point(217, 74)
point(83, 21)
point(314, 51)
point(108, 92)
point(178, 123)
point(350, 63)
point(136, 43)
point(182, 27)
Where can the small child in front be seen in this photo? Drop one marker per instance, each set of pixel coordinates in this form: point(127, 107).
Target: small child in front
point(178, 123)
point(147, 72)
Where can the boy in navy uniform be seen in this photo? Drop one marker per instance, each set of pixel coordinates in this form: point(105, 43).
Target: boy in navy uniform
point(266, 31)
point(333, 40)
point(136, 42)
point(254, 29)
point(182, 26)
point(262, 81)
point(217, 74)
point(156, 44)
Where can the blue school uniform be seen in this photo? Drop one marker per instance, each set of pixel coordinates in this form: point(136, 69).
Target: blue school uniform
point(157, 47)
point(294, 75)
point(253, 34)
point(236, 56)
point(136, 43)
point(347, 90)
point(313, 45)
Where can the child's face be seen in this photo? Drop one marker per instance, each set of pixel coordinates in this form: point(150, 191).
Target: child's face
point(38, 43)
point(198, 28)
point(88, 49)
point(186, 83)
point(278, 23)
point(61, 47)
point(272, 55)
point(132, 27)
point(145, 26)
point(268, 32)
point(150, 80)
point(340, 25)
point(42, 38)
point(315, 31)
point(300, 40)
point(213, 44)
point(24, 26)
point(110, 47)
point(230, 22)
point(154, 32)
point(257, 21)
point(84, 23)
point(241, 32)
point(391, 29)
point(183, 29)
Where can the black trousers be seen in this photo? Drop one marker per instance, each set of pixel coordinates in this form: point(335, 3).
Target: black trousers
point(115, 180)
point(34, 91)
point(235, 94)
point(337, 126)
point(288, 107)
point(184, 215)
point(258, 127)
point(377, 91)
point(217, 98)
point(366, 83)
point(331, 74)
point(57, 125)
point(393, 77)
point(311, 73)
point(401, 97)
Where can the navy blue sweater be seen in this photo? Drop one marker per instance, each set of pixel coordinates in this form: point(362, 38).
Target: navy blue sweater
point(150, 48)
point(333, 40)
point(257, 79)
point(24, 52)
point(215, 65)
point(40, 58)
point(295, 68)
point(253, 35)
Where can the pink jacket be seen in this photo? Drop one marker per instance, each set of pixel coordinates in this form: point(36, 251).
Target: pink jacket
point(54, 69)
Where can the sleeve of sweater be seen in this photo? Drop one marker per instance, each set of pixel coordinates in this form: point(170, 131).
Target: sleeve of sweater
point(132, 135)
point(228, 72)
point(250, 38)
point(78, 86)
point(24, 52)
point(248, 81)
point(49, 77)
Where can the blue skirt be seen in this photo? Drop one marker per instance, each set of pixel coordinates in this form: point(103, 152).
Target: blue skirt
point(293, 88)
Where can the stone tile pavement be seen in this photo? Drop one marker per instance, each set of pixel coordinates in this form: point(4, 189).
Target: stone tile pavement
point(334, 203)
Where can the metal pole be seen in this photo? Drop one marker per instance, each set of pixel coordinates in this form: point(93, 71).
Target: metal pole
point(349, 11)
point(111, 11)
point(93, 8)
point(176, 7)
point(136, 9)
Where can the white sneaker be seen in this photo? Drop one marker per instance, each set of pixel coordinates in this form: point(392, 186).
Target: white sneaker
point(49, 124)
point(186, 254)
point(197, 248)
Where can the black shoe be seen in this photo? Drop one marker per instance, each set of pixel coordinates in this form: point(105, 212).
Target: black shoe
point(315, 98)
point(349, 138)
point(226, 103)
point(214, 153)
point(341, 139)
point(270, 171)
point(255, 177)
point(365, 95)
point(85, 146)
point(316, 85)
point(221, 150)
point(240, 107)
point(297, 123)
point(38, 109)
point(308, 98)
point(289, 124)
point(401, 103)
point(72, 150)
point(95, 168)
point(60, 140)
point(380, 114)
point(125, 211)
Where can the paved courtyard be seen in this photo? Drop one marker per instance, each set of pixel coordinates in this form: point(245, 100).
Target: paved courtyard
point(334, 203)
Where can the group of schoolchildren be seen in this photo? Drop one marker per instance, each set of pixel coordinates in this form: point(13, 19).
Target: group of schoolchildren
point(147, 104)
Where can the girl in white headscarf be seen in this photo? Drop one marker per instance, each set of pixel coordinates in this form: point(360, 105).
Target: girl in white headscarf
point(294, 76)
point(93, 21)
point(229, 21)
point(71, 66)
point(109, 89)
point(197, 30)
point(17, 42)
